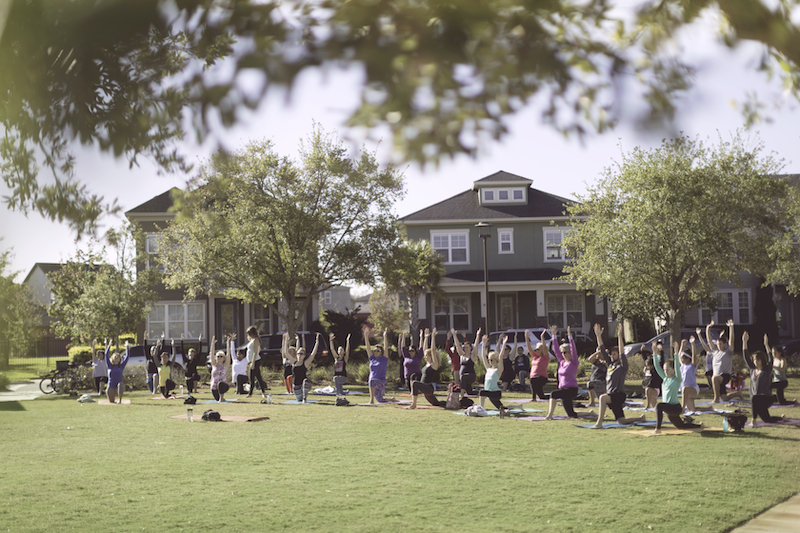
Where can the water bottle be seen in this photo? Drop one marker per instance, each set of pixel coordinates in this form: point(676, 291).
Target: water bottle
point(725, 425)
point(189, 413)
point(269, 398)
point(181, 390)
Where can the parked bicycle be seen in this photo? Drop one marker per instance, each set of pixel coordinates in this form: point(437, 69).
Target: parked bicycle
point(63, 380)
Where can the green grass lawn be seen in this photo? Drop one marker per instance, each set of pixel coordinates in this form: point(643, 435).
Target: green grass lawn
point(74, 467)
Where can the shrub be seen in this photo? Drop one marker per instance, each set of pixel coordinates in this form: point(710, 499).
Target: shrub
point(320, 374)
point(135, 378)
point(80, 354)
point(4, 381)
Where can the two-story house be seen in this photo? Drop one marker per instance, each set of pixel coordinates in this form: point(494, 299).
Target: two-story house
point(208, 315)
point(524, 258)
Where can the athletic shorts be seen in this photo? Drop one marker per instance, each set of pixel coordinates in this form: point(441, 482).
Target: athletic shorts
point(617, 401)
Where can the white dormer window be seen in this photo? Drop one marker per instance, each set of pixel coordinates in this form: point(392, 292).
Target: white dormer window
point(505, 195)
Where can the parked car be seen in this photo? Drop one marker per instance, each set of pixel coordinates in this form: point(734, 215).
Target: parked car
point(664, 338)
point(271, 347)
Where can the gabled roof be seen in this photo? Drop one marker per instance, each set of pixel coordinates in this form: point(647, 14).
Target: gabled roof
point(465, 206)
point(46, 268)
point(502, 177)
point(158, 204)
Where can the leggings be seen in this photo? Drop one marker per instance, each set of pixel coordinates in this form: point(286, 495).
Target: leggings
point(301, 391)
point(673, 411)
point(380, 389)
point(98, 383)
point(288, 378)
point(339, 381)
point(255, 376)
point(494, 396)
point(190, 381)
point(223, 388)
point(566, 396)
point(537, 387)
point(779, 386)
point(466, 383)
point(426, 389)
point(166, 390)
point(761, 403)
point(416, 376)
point(240, 380)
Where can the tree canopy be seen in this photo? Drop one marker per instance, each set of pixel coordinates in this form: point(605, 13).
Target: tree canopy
point(662, 226)
point(98, 300)
point(263, 228)
point(17, 312)
point(413, 269)
point(131, 76)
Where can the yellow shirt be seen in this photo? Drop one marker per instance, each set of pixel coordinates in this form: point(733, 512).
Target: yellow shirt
point(163, 375)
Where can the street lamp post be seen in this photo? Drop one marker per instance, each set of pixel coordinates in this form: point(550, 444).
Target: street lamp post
point(481, 226)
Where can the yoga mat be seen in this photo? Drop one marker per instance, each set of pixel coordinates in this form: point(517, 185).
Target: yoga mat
point(295, 402)
point(785, 422)
point(419, 406)
point(664, 431)
point(215, 401)
point(124, 401)
point(614, 425)
point(226, 418)
point(555, 417)
point(170, 397)
point(387, 402)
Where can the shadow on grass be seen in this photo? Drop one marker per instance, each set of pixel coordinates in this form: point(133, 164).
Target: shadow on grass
point(11, 406)
point(750, 433)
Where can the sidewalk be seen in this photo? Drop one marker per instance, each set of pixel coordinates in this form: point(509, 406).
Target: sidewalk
point(21, 391)
point(783, 518)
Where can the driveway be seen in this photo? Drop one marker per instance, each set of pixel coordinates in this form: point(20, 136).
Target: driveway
point(21, 391)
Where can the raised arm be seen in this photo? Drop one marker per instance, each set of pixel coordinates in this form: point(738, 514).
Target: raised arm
point(365, 331)
point(347, 349)
point(620, 340)
point(572, 348)
point(313, 354)
point(729, 323)
point(598, 333)
point(475, 345)
point(766, 344)
point(500, 354)
point(332, 343)
point(745, 352)
point(694, 349)
point(484, 351)
point(172, 350)
point(435, 361)
point(528, 341)
point(386, 343)
point(456, 343)
point(708, 342)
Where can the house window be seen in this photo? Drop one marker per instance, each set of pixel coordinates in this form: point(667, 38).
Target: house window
point(488, 196)
point(176, 319)
point(505, 241)
point(262, 319)
point(326, 298)
point(151, 247)
point(553, 240)
point(565, 310)
point(452, 247)
point(502, 195)
point(452, 312)
point(518, 194)
point(731, 305)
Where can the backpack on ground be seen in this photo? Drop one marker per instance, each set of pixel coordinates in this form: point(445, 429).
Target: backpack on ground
point(475, 410)
point(212, 416)
point(452, 397)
